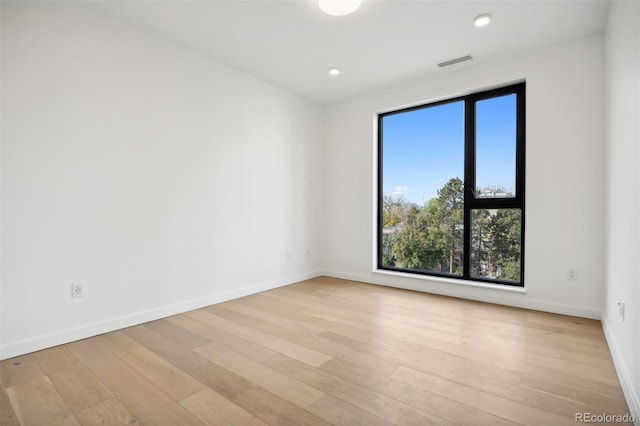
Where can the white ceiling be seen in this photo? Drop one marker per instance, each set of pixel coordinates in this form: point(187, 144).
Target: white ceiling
point(292, 44)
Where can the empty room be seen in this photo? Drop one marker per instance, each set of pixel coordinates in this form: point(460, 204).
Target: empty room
point(319, 212)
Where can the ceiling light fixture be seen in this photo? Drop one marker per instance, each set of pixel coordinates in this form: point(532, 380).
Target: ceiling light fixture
point(339, 7)
point(334, 71)
point(481, 20)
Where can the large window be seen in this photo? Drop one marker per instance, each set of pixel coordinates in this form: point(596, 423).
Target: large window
point(451, 187)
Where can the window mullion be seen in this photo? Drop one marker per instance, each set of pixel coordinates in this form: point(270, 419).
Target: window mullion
point(469, 181)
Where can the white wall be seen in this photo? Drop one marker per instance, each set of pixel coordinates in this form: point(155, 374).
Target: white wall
point(622, 255)
point(161, 179)
point(564, 172)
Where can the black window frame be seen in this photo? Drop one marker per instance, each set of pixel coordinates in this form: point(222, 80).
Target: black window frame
point(471, 202)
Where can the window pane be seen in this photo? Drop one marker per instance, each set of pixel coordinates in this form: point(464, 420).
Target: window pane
point(423, 197)
point(495, 244)
point(496, 147)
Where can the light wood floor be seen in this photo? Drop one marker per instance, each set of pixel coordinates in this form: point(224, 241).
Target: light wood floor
point(323, 351)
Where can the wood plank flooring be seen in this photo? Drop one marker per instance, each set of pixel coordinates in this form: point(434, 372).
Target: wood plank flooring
point(323, 351)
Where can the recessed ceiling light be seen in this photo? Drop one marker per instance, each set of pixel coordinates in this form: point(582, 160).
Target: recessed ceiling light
point(481, 20)
point(334, 71)
point(339, 7)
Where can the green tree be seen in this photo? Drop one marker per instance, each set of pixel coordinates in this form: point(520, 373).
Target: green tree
point(388, 257)
point(450, 216)
point(428, 237)
point(419, 244)
point(505, 230)
point(431, 237)
point(394, 210)
point(481, 242)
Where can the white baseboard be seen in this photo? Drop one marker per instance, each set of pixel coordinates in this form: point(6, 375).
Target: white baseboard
point(65, 336)
point(471, 292)
point(630, 394)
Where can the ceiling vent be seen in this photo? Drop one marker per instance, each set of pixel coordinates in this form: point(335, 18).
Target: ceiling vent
point(455, 61)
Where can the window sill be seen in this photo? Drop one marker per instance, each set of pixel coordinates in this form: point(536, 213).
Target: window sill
point(509, 288)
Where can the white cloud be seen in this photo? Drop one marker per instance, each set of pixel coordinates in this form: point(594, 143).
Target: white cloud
point(399, 190)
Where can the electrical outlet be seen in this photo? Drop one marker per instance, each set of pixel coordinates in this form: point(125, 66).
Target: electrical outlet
point(77, 290)
point(308, 253)
point(621, 309)
point(288, 255)
point(572, 274)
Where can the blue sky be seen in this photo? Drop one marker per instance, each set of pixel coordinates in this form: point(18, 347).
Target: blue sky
point(424, 148)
